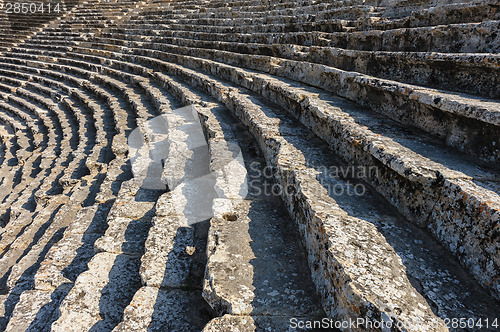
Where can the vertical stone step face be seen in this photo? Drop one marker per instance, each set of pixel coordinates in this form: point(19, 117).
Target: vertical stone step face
point(256, 265)
point(365, 221)
point(62, 264)
point(101, 293)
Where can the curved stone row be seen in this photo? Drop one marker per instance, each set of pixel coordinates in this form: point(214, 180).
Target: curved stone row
point(302, 88)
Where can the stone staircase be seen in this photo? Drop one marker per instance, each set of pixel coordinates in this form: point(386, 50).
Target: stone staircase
point(369, 135)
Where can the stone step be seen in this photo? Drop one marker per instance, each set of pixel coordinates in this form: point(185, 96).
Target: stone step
point(437, 220)
point(101, 293)
point(430, 105)
point(66, 260)
point(317, 199)
point(435, 70)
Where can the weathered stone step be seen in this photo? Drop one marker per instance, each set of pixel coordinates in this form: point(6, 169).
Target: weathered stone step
point(67, 259)
point(101, 293)
point(437, 218)
point(15, 149)
point(448, 163)
point(97, 151)
point(33, 254)
point(429, 105)
point(438, 70)
point(346, 217)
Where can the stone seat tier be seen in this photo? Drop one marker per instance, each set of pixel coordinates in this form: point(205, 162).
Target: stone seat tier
point(452, 38)
point(333, 18)
point(243, 106)
point(435, 70)
point(426, 101)
point(449, 163)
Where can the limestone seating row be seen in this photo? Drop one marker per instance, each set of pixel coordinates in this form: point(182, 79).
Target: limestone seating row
point(79, 140)
point(308, 23)
point(29, 102)
point(257, 7)
point(467, 185)
point(307, 13)
point(21, 27)
point(16, 154)
point(122, 279)
point(438, 70)
point(356, 87)
point(24, 133)
point(261, 127)
point(165, 265)
point(38, 248)
point(207, 86)
point(451, 14)
point(456, 38)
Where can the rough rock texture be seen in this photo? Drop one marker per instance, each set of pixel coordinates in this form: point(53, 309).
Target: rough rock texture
point(340, 162)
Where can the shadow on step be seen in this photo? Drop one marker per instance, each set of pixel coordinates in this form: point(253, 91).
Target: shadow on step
point(124, 277)
point(27, 280)
point(181, 306)
point(283, 287)
point(48, 313)
point(431, 269)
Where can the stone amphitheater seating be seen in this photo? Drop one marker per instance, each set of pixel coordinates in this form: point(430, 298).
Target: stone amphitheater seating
point(406, 89)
